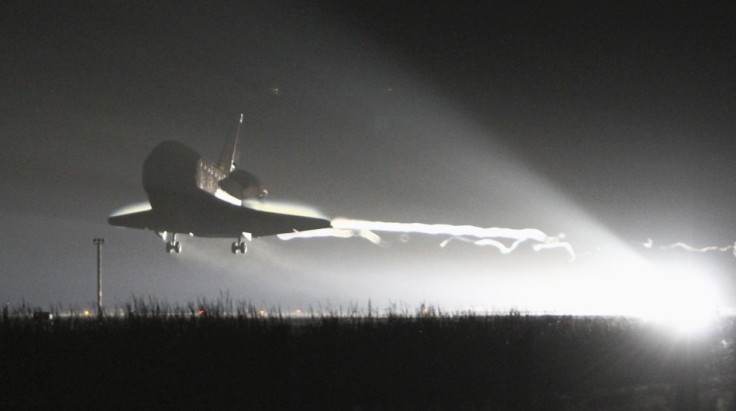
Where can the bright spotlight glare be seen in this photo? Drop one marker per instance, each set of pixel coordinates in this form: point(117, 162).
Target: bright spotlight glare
point(682, 299)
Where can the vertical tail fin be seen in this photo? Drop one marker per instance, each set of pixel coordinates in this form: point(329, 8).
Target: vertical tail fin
point(230, 154)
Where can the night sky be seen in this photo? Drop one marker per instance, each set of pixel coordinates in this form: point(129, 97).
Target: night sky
point(611, 124)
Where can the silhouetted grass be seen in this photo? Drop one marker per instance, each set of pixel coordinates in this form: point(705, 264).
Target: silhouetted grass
point(224, 354)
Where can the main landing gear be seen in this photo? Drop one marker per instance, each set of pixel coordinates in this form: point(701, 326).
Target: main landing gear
point(172, 246)
point(240, 246)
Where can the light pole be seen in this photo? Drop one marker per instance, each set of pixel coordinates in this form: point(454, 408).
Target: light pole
point(99, 242)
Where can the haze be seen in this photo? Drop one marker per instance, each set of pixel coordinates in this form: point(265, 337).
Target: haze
point(610, 124)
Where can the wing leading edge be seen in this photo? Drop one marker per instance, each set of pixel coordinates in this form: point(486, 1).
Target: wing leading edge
point(145, 220)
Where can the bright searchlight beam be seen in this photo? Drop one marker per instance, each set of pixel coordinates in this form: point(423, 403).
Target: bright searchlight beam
point(346, 228)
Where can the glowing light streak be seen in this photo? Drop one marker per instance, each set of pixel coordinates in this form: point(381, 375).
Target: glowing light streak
point(446, 229)
point(348, 228)
point(549, 245)
point(687, 247)
point(485, 242)
point(333, 232)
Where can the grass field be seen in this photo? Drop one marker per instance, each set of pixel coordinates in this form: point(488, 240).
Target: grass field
point(162, 357)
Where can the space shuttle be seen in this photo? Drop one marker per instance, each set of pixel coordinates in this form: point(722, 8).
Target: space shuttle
point(189, 194)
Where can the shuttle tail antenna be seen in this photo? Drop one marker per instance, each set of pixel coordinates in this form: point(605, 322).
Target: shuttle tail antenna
point(230, 155)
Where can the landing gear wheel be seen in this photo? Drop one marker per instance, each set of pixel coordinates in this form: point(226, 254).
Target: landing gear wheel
point(173, 246)
point(239, 247)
